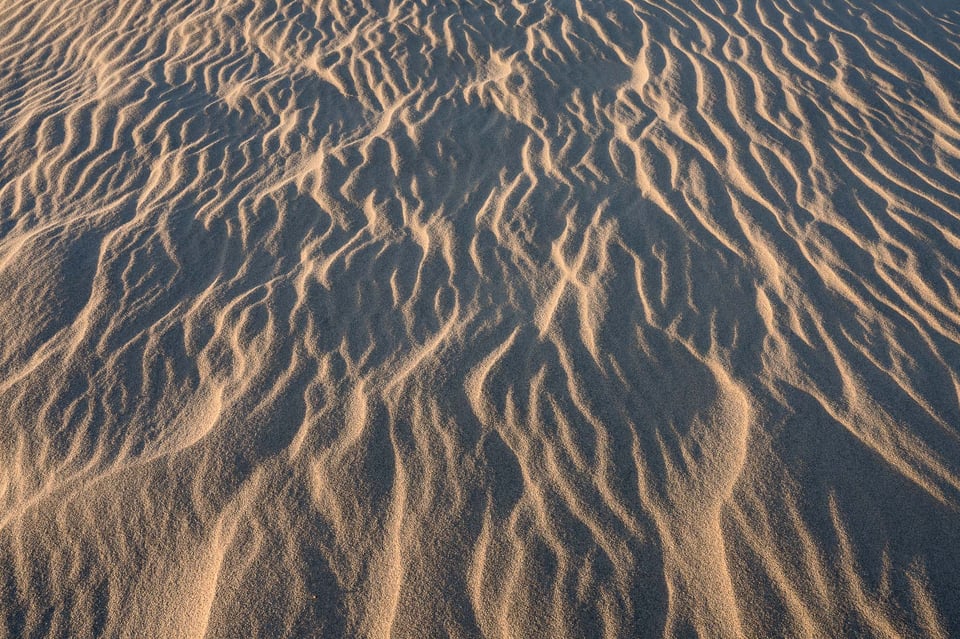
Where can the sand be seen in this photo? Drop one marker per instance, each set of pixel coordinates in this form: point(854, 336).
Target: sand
point(479, 319)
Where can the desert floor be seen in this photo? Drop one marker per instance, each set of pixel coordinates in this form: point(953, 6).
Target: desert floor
point(479, 318)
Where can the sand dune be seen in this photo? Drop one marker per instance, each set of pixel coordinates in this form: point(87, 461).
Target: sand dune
point(476, 318)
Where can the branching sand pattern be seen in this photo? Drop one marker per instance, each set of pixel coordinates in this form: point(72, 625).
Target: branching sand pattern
point(551, 318)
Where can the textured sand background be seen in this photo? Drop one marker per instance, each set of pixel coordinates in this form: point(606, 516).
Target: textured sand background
point(455, 319)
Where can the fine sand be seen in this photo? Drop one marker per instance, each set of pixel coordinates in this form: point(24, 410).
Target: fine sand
point(470, 318)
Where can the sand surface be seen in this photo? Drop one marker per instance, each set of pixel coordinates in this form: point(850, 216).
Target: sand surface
point(544, 318)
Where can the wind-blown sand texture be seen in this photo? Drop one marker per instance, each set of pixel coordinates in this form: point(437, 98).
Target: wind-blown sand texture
point(551, 318)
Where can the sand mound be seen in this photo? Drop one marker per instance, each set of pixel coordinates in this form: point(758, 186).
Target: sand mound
point(476, 318)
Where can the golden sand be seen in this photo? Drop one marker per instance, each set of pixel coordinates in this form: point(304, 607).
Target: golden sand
point(479, 319)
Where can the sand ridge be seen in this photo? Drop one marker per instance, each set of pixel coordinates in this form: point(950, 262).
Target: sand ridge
point(455, 319)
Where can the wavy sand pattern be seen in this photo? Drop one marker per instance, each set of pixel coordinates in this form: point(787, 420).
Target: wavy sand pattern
point(456, 319)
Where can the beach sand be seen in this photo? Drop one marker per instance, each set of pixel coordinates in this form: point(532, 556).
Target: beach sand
point(479, 319)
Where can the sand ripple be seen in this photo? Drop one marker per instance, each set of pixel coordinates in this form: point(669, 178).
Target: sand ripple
point(457, 319)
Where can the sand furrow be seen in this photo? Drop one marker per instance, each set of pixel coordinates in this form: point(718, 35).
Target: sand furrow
point(527, 319)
